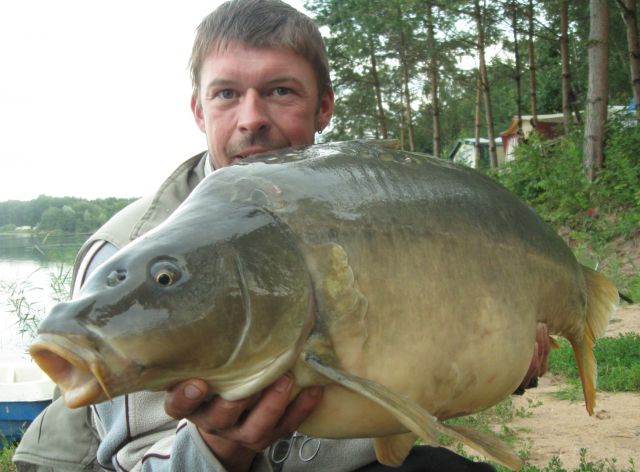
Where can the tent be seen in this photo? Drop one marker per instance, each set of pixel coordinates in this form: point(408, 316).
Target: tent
point(549, 126)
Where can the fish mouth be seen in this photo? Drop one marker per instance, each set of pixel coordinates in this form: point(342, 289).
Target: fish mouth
point(80, 376)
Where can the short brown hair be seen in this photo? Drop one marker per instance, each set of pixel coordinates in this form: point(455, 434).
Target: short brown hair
point(261, 24)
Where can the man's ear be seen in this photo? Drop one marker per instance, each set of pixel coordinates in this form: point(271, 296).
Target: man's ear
point(196, 109)
point(325, 110)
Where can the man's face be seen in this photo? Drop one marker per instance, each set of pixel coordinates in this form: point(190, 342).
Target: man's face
point(254, 100)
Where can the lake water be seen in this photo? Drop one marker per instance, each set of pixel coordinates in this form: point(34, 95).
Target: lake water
point(28, 264)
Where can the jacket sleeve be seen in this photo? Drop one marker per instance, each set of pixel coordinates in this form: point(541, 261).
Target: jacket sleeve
point(137, 435)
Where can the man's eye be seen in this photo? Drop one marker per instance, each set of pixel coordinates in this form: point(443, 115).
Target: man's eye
point(281, 91)
point(226, 94)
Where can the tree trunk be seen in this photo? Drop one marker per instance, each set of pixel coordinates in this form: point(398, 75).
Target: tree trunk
point(598, 88)
point(486, 92)
point(382, 121)
point(516, 75)
point(532, 67)
point(630, 16)
point(433, 79)
point(402, 123)
point(407, 95)
point(566, 74)
point(476, 147)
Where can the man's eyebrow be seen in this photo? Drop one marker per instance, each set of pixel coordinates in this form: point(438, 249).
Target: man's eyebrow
point(219, 83)
point(284, 79)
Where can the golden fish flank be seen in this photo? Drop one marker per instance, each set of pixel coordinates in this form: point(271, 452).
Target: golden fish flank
point(410, 288)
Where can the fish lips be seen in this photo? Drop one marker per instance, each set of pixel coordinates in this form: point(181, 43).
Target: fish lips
point(77, 369)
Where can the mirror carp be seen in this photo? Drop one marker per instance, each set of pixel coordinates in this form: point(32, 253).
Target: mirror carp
point(408, 286)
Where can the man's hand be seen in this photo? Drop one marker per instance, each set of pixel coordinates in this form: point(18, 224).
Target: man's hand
point(539, 361)
point(236, 430)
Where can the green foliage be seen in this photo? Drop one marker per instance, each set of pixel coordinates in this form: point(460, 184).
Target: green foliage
point(549, 176)
point(65, 214)
point(492, 419)
point(20, 296)
point(618, 185)
point(618, 363)
point(614, 263)
point(6, 453)
point(359, 31)
point(555, 465)
point(497, 419)
point(595, 217)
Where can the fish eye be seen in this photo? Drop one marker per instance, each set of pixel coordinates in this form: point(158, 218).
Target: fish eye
point(165, 273)
point(165, 278)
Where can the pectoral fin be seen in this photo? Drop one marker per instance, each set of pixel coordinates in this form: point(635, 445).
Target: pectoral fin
point(413, 417)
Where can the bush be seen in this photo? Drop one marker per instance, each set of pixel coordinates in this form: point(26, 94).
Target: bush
point(549, 176)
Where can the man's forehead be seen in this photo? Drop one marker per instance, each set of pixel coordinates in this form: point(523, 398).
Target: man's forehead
point(240, 62)
point(234, 48)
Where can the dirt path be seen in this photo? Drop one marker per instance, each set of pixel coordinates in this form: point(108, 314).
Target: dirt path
point(561, 428)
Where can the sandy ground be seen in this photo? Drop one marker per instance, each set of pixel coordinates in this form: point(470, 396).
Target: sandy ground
point(561, 428)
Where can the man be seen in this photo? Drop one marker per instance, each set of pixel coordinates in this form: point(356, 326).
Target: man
point(260, 82)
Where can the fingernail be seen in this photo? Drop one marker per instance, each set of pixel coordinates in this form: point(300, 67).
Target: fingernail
point(282, 385)
point(192, 392)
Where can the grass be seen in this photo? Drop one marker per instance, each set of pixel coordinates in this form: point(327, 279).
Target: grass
point(610, 258)
point(618, 371)
point(19, 296)
point(618, 365)
point(6, 453)
point(496, 420)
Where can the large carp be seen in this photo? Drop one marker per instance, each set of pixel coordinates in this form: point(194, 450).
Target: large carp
point(409, 286)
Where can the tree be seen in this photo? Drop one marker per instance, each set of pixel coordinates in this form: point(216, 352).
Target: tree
point(478, 126)
point(432, 67)
point(513, 10)
point(401, 67)
point(402, 26)
point(377, 85)
point(598, 88)
point(566, 74)
point(480, 15)
point(532, 62)
point(630, 16)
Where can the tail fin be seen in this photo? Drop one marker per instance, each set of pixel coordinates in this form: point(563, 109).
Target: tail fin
point(602, 300)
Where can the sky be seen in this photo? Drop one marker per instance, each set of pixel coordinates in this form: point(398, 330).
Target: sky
point(94, 95)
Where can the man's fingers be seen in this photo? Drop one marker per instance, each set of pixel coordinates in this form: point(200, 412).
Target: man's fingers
point(274, 417)
point(306, 401)
point(219, 416)
point(185, 398)
point(252, 423)
point(260, 426)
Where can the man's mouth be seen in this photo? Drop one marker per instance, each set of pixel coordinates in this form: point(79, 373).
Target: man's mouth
point(250, 151)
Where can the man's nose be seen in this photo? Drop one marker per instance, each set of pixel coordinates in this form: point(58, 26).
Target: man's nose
point(253, 116)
